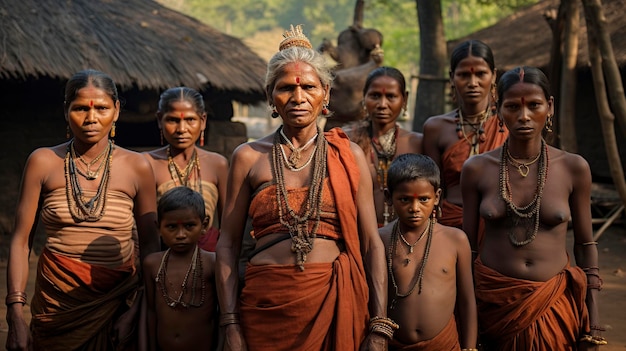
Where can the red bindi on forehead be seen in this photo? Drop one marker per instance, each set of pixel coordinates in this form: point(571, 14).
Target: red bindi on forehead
point(297, 80)
point(415, 196)
point(182, 115)
point(472, 70)
point(384, 91)
point(90, 103)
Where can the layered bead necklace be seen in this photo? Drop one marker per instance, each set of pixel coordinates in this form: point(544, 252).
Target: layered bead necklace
point(385, 148)
point(478, 132)
point(396, 234)
point(93, 209)
point(296, 153)
point(524, 215)
point(297, 222)
point(183, 177)
point(194, 270)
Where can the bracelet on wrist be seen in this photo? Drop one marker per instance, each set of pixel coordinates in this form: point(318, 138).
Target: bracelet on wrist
point(383, 326)
point(16, 297)
point(229, 318)
point(595, 340)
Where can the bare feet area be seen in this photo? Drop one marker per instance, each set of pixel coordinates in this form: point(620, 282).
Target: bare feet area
point(612, 252)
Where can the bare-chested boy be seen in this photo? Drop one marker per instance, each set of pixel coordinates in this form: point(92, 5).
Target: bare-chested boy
point(180, 282)
point(429, 264)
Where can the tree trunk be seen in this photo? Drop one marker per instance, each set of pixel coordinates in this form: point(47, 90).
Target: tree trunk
point(603, 65)
point(433, 53)
point(567, 93)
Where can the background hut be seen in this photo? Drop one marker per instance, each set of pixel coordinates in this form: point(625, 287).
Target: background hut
point(525, 38)
point(144, 46)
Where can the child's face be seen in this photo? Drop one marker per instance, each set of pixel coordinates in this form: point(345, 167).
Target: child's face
point(414, 201)
point(181, 229)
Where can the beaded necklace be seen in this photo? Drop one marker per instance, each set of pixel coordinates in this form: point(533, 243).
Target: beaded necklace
point(385, 148)
point(296, 152)
point(183, 177)
point(419, 274)
point(478, 132)
point(81, 210)
point(195, 270)
point(89, 174)
point(297, 223)
point(525, 214)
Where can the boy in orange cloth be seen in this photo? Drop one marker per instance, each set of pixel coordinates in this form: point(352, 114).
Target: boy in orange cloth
point(429, 264)
point(180, 286)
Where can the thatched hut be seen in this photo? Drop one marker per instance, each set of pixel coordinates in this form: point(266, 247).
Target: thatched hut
point(143, 45)
point(525, 38)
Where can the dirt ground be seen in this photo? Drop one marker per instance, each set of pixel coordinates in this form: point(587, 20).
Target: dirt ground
point(612, 251)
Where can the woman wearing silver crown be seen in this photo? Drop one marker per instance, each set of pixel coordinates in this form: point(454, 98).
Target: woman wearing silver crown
point(317, 245)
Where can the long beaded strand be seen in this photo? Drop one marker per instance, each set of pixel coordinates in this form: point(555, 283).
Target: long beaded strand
point(531, 210)
point(195, 270)
point(81, 210)
point(385, 148)
point(417, 279)
point(183, 177)
point(297, 223)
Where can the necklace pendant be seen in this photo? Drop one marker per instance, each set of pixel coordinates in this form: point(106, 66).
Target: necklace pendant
point(407, 261)
point(91, 175)
point(172, 304)
point(523, 170)
point(410, 249)
point(294, 158)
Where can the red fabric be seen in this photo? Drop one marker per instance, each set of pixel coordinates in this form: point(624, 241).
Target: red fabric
point(75, 304)
point(516, 314)
point(323, 307)
point(453, 158)
point(446, 340)
point(209, 239)
point(452, 216)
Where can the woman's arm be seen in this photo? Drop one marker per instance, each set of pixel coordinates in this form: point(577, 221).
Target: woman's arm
point(221, 171)
point(229, 245)
point(35, 172)
point(430, 140)
point(150, 266)
point(585, 250)
point(145, 206)
point(372, 248)
point(470, 175)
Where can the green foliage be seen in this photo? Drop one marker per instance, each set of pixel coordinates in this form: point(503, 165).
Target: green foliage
point(396, 19)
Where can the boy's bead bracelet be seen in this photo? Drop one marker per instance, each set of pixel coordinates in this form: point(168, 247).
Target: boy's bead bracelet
point(16, 297)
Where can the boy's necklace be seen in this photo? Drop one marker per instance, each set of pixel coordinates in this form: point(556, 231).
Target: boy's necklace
point(195, 270)
point(411, 246)
point(417, 279)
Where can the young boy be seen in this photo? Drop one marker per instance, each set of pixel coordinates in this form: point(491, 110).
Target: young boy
point(180, 288)
point(429, 264)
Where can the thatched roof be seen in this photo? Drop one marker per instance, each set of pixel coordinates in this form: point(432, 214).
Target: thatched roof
point(138, 42)
point(525, 37)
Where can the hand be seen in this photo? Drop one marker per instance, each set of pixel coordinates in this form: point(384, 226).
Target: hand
point(19, 337)
point(585, 346)
point(374, 342)
point(233, 338)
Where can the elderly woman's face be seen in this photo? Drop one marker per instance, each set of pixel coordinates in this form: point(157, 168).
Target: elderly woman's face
point(298, 94)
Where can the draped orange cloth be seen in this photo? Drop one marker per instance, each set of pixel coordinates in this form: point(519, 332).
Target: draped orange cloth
point(76, 305)
point(446, 340)
point(516, 314)
point(452, 163)
point(323, 307)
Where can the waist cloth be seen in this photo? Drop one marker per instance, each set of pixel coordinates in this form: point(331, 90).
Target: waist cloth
point(517, 314)
point(76, 305)
point(210, 193)
point(446, 340)
point(325, 306)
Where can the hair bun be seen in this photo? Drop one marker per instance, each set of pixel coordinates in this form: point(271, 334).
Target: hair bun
point(294, 37)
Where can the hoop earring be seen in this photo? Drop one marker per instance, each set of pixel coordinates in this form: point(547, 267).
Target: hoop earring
point(202, 138)
point(275, 113)
point(549, 124)
point(501, 125)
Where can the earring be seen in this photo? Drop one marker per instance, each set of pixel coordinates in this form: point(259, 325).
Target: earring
point(494, 96)
point(501, 124)
point(67, 132)
point(325, 110)
point(202, 138)
point(549, 124)
point(405, 113)
point(275, 113)
point(113, 131)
